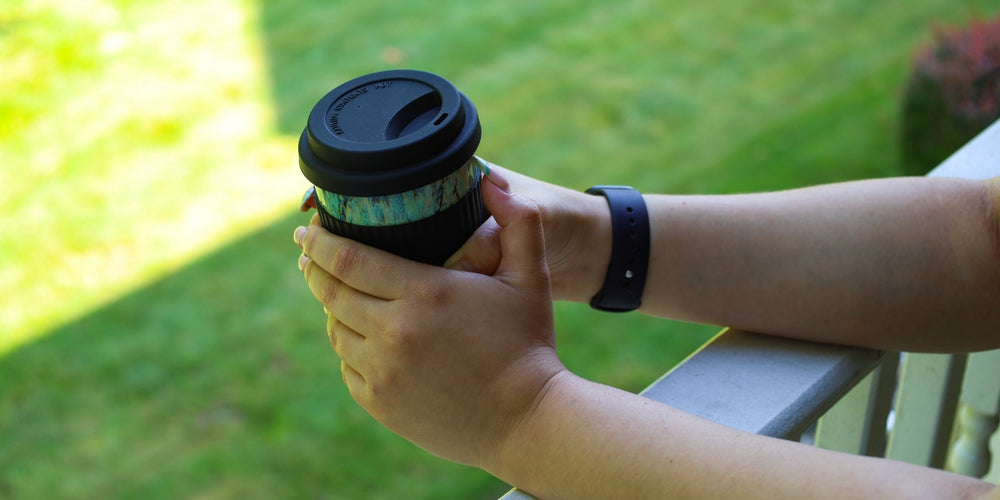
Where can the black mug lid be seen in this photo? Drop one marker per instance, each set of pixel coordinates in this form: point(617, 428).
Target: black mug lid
point(388, 132)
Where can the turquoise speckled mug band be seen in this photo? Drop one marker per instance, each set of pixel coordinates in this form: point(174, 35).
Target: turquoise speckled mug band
point(401, 208)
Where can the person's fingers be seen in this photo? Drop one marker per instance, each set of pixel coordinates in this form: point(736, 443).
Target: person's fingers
point(498, 176)
point(522, 242)
point(331, 322)
point(300, 231)
point(364, 268)
point(355, 382)
point(352, 347)
point(323, 286)
point(480, 253)
point(356, 309)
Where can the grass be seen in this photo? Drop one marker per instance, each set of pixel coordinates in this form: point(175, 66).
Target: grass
point(155, 338)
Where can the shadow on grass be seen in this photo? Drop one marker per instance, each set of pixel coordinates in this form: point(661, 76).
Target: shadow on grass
point(216, 381)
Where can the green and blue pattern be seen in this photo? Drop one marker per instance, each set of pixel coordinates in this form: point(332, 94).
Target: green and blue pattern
point(410, 206)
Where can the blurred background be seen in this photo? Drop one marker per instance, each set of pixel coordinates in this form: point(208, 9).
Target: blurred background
point(156, 338)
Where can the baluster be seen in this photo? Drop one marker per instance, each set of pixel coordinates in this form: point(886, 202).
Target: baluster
point(856, 424)
point(970, 455)
point(977, 415)
point(925, 408)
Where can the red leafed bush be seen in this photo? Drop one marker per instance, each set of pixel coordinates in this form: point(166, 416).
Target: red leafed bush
point(953, 93)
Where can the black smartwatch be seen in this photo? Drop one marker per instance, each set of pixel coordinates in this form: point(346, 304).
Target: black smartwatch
point(626, 276)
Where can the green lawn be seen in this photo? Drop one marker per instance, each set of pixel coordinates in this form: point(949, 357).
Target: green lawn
point(156, 340)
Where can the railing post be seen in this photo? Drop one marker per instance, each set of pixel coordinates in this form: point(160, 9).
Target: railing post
point(857, 423)
point(925, 408)
point(977, 415)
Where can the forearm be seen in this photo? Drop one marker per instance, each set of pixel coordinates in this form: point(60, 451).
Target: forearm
point(585, 440)
point(898, 263)
point(905, 263)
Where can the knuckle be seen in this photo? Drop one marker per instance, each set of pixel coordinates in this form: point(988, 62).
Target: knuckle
point(431, 294)
point(530, 212)
point(400, 336)
point(376, 395)
point(345, 260)
point(382, 385)
point(329, 292)
point(407, 330)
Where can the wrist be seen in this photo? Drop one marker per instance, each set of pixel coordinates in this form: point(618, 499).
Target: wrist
point(531, 437)
point(579, 266)
point(577, 235)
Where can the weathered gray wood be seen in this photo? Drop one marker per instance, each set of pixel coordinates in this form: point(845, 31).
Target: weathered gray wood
point(766, 385)
point(979, 159)
point(857, 423)
point(516, 494)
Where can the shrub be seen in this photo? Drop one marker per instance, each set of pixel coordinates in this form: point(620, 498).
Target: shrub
point(953, 93)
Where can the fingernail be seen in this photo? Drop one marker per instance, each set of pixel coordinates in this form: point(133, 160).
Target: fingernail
point(303, 261)
point(498, 180)
point(300, 233)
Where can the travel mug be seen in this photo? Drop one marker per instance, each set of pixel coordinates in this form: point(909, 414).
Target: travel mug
point(392, 158)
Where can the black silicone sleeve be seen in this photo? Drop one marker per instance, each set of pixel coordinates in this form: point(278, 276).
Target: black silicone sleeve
point(626, 276)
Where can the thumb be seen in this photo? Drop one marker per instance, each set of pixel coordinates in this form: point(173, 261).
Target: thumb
point(481, 253)
point(522, 241)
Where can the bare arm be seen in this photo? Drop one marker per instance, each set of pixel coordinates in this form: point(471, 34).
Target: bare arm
point(907, 264)
point(585, 440)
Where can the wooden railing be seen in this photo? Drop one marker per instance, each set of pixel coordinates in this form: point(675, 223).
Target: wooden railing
point(936, 410)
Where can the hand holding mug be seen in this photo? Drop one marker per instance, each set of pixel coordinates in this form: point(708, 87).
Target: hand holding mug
point(452, 361)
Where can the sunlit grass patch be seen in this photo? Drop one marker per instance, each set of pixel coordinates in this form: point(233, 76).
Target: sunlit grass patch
point(134, 138)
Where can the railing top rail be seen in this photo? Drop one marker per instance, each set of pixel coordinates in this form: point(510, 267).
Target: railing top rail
point(979, 159)
point(763, 384)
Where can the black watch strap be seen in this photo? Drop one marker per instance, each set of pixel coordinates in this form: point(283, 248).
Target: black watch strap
point(626, 276)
